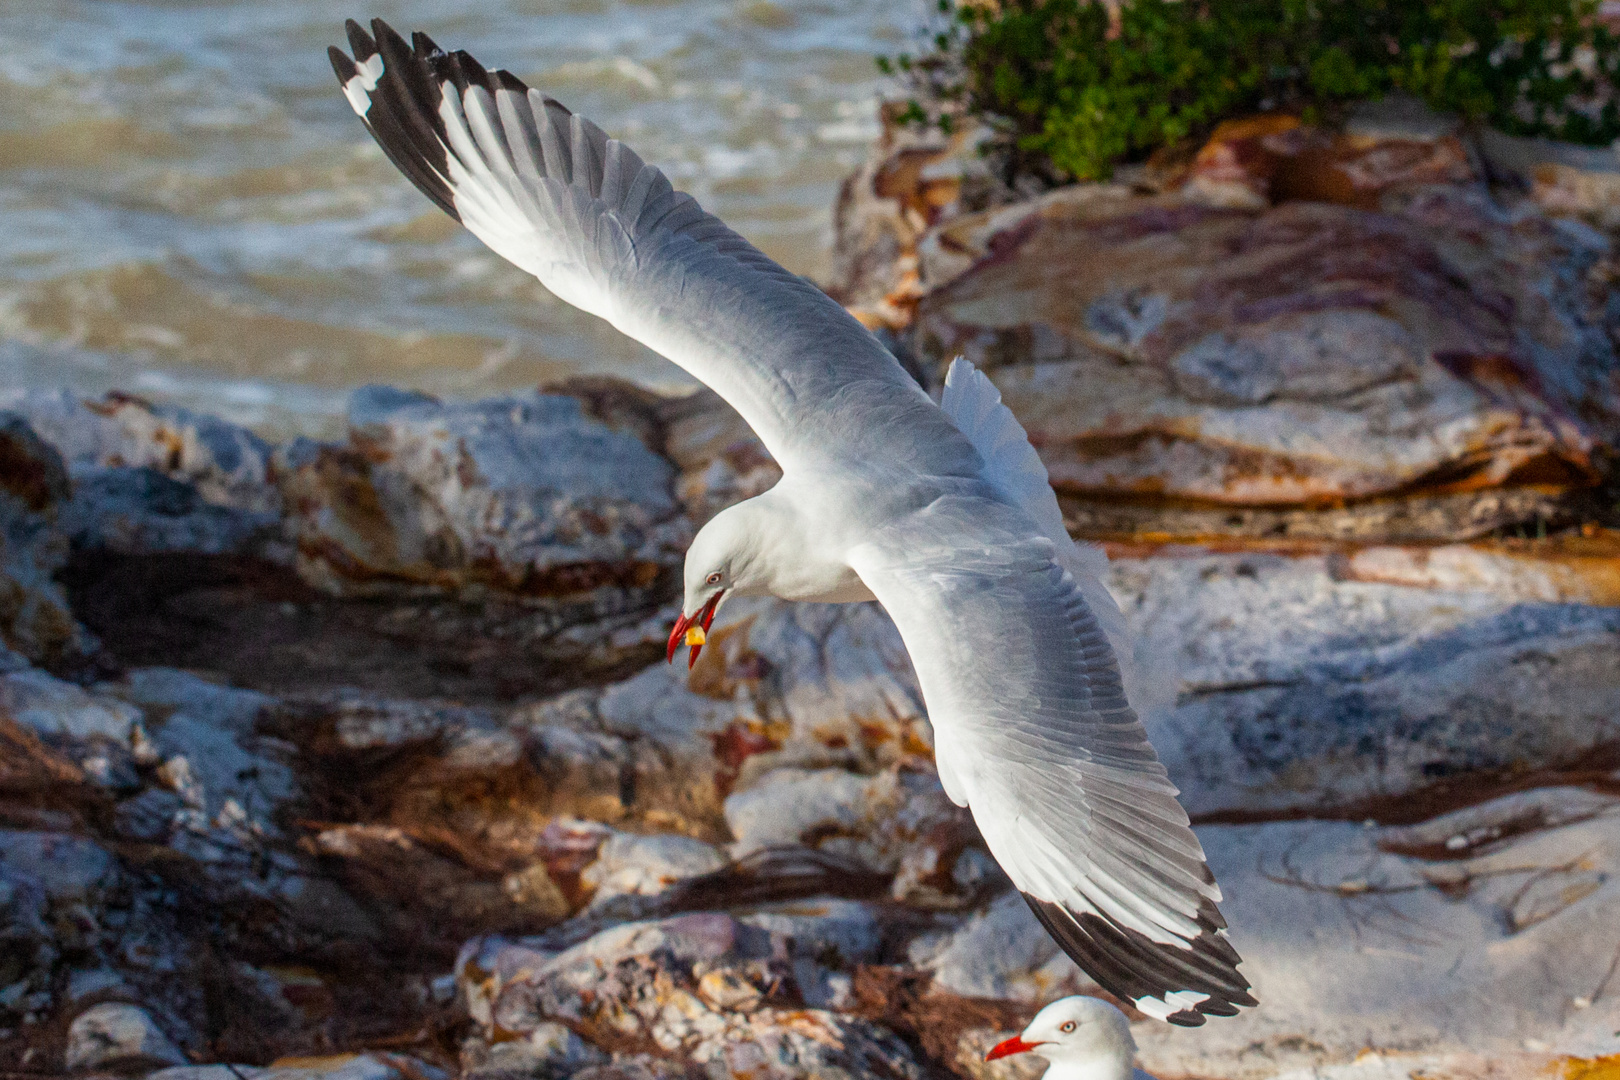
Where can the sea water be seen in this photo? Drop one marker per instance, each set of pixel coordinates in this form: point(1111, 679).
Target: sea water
point(189, 210)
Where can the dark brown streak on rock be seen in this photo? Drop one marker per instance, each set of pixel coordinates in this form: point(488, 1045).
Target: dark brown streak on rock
point(1595, 770)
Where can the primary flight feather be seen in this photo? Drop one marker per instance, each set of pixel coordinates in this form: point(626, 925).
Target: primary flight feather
point(943, 514)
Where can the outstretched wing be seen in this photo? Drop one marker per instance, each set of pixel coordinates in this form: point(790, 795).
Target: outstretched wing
point(1033, 733)
point(550, 192)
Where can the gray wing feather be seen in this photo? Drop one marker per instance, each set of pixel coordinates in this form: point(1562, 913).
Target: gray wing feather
point(1033, 732)
point(552, 193)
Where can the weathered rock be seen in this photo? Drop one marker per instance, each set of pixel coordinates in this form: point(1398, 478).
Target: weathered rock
point(55, 708)
point(550, 1050)
point(974, 1043)
point(31, 471)
point(375, 1065)
point(778, 685)
point(647, 992)
point(523, 494)
point(1489, 948)
point(1298, 355)
point(1581, 569)
point(155, 478)
point(35, 619)
point(1384, 146)
point(229, 465)
point(721, 460)
point(142, 511)
point(630, 865)
point(1002, 953)
point(1561, 178)
point(226, 774)
point(898, 821)
point(916, 176)
point(1301, 692)
point(1459, 1066)
point(119, 1036)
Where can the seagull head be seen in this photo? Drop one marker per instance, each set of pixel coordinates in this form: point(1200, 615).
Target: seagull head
point(720, 563)
point(1080, 1036)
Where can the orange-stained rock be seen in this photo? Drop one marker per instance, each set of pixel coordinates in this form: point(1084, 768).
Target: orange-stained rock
point(914, 179)
point(1255, 161)
point(1306, 354)
point(1572, 569)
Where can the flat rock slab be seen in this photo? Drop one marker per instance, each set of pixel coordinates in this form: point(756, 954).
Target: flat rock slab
point(1302, 354)
point(1297, 691)
point(523, 494)
point(1489, 949)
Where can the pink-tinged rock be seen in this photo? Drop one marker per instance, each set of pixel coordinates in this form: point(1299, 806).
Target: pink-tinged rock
point(1304, 354)
point(524, 494)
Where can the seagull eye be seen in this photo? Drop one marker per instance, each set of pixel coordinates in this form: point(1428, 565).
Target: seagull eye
point(712, 579)
point(1067, 1028)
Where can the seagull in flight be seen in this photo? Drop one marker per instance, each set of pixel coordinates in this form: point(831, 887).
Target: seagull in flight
point(942, 513)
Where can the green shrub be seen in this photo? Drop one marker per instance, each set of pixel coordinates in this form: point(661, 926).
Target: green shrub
point(1075, 97)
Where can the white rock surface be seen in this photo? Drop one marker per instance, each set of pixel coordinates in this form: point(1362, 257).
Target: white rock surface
point(229, 465)
point(116, 1034)
point(523, 494)
point(1484, 949)
point(157, 478)
point(635, 865)
point(1001, 952)
point(1299, 690)
point(53, 707)
point(377, 1065)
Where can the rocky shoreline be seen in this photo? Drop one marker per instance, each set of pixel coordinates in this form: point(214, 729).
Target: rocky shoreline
point(359, 758)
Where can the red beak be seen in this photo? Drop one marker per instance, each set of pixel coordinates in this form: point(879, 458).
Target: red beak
point(703, 618)
point(1014, 1045)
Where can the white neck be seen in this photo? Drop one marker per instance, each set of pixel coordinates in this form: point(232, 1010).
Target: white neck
point(1095, 1068)
point(787, 553)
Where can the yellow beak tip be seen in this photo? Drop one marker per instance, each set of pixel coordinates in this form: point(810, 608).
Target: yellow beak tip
point(696, 636)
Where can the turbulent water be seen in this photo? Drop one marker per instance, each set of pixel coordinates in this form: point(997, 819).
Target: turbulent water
point(189, 210)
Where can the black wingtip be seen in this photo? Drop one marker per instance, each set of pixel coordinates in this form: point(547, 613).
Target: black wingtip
point(402, 109)
point(389, 42)
point(509, 81)
point(345, 67)
point(363, 47)
point(425, 47)
point(1131, 966)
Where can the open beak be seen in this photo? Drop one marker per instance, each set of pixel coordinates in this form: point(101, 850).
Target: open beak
point(693, 630)
point(1014, 1045)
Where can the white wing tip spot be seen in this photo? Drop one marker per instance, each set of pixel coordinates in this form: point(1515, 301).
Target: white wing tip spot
point(358, 89)
point(1172, 1002)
